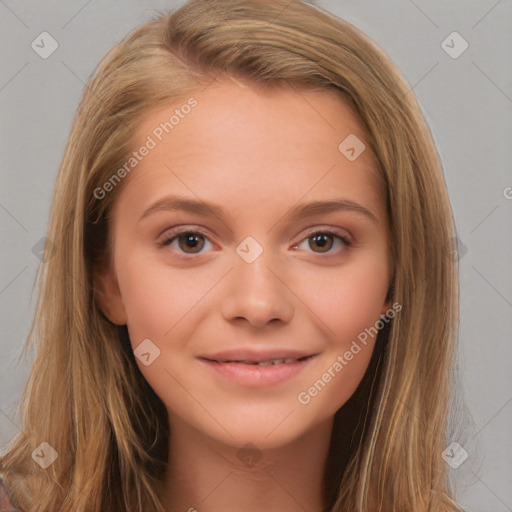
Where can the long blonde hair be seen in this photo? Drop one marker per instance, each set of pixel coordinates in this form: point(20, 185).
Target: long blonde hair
point(85, 395)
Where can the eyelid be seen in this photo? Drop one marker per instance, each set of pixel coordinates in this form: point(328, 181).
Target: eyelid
point(342, 233)
point(173, 233)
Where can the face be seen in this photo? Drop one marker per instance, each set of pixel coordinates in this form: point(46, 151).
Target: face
point(220, 260)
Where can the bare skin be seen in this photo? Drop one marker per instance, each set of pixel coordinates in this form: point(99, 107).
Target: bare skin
point(243, 445)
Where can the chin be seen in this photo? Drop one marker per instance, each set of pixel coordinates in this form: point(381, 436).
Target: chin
point(263, 429)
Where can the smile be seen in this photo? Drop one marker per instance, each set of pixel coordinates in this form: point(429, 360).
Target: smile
point(256, 374)
point(264, 363)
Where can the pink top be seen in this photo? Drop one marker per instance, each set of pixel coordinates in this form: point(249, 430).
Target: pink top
point(7, 498)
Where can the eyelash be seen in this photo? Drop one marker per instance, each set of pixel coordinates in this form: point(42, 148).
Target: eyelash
point(329, 232)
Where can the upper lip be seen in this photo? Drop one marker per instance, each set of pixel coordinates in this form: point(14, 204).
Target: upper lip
point(257, 356)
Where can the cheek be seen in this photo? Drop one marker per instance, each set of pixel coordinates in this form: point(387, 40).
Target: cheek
point(159, 299)
point(348, 299)
point(334, 384)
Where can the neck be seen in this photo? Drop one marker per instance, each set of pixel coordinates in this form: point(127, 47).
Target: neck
point(204, 475)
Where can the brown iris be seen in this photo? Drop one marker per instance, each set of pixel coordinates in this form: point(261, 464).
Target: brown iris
point(322, 240)
point(190, 241)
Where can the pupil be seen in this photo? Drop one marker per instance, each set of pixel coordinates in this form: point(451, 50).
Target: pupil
point(191, 241)
point(322, 241)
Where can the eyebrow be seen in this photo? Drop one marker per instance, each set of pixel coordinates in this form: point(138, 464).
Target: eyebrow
point(300, 211)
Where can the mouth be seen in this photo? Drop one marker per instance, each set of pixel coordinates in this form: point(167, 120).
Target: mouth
point(262, 373)
point(269, 362)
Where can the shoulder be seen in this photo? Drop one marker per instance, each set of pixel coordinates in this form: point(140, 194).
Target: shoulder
point(6, 498)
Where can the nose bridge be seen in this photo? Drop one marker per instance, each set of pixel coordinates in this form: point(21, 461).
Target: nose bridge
point(256, 291)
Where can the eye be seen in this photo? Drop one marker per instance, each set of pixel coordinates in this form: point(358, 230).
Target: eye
point(188, 241)
point(192, 242)
point(324, 241)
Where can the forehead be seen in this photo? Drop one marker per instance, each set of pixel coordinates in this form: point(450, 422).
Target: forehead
point(245, 144)
point(245, 112)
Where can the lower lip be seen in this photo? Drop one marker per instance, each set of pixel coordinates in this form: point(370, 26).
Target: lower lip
point(255, 376)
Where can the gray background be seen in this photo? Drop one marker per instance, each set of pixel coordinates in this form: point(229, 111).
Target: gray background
point(467, 102)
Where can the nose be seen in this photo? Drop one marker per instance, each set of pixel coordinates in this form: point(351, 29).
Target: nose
point(257, 293)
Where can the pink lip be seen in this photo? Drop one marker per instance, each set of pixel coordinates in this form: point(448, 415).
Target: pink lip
point(253, 375)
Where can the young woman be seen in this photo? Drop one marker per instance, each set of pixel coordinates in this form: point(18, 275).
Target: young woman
point(251, 302)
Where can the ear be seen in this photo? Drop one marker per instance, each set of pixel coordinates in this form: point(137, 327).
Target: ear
point(108, 296)
point(389, 300)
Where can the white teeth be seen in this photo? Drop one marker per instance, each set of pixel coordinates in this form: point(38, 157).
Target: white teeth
point(263, 363)
point(276, 361)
